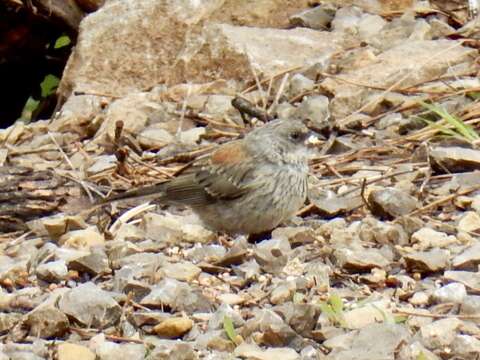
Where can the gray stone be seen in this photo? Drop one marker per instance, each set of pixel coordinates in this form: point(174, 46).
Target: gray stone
point(90, 305)
point(353, 259)
point(172, 350)
point(387, 337)
point(299, 85)
point(468, 259)
point(315, 109)
point(183, 271)
point(112, 351)
point(47, 322)
point(53, 271)
point(440, 333)
point(451, 293)
point(318, 18)
point(94, 264)
point(427, 261)
point(178, 296)
point(391, 203)
point(455, 159)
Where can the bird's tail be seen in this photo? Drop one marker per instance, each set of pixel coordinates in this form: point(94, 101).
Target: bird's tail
point(158, 190)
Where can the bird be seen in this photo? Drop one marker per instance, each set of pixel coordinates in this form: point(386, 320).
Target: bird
point(246, 186)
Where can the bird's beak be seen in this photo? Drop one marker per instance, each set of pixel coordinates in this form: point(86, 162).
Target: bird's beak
point(312, 140)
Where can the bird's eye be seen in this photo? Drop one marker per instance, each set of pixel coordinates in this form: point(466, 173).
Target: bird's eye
point(296, 136)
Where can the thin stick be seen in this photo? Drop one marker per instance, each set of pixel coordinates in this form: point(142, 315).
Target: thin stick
point(279, 93)
point(129, 215)
point(436, 316)
point(61, 151)
point(444, 200)
point(87, 190)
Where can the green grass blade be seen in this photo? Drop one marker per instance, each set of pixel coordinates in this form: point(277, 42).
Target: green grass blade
point(229, 329)
point(466, 131)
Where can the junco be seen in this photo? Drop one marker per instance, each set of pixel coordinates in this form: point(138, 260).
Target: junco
point(246, 186)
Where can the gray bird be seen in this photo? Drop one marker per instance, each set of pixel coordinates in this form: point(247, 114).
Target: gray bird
point(246, 186)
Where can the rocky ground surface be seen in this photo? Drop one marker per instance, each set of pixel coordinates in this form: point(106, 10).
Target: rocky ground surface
point(381, 263)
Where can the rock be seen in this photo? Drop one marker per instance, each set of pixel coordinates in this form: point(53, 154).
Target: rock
point(364, 316)
point(231, 299)
point(427, 261)
point(360, 260)
point(388, 338)
point(346, 19)
point(47, 322)
point(236, 254)
point(274, 330)
point(68, 351)
point(154, 138)
point(373, 230)
point(471, 305)
point(309, 353)
point(235, 43)
point(383, 71)
point(111, 351)
point(82, 239)
point(369, 26)
point(301, 317)
point(391, 203)
point(218, 318)
point(173, 62)
point(419, 299)
point(282, 293)
point(468, 259)
point(216, 341)
point(219, 105)
point(318, 18)
point(272, 255)
point(455, 159)
point(249, 270)
point(192, 136)
point(53, 271)
point(466, 345)
point(440, 333)
point(285, 110)
point(207, 253)
point(102, 163)
point(330, 204)
point(172, 350)
point(173, 327)
point(171, 229)
point(178, 296)
point(399, 30)
point(183, 271)
point(451, 293)
point(56, 226)
point(145, 261)
point(252, 351)
point(299, 85)
point(94, 264)
point(427, 238)
point(469, 222)
point(315, 109)
point(476, 203)
point(470, 279)
point(300, 235)
point(134, 111)
point(416, 350)
point(318, 275)
point(8, 321)
point(90, 305)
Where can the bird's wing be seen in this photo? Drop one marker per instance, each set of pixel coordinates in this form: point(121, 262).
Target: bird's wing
point(223, 175)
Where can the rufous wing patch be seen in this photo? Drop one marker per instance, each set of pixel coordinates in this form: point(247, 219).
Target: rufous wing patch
point(229, 154)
